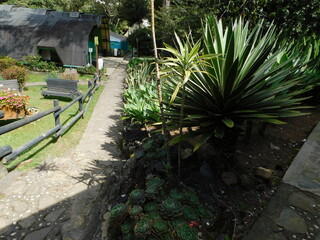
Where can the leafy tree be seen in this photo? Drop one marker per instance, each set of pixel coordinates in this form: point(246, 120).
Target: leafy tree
point(141, 39)
point(133, 11)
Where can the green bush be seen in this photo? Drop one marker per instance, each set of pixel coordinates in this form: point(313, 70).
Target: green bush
point(6, 62)
point(34, 63)
point(168, 214)
point(87, 70)
point(16, 72)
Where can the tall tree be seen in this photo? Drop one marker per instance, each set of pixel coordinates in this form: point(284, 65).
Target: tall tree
point(133, 11)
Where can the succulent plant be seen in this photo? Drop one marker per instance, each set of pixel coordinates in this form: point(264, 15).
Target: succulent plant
point(202, 212)
point(152, 192)
point(118, 213)
point(135, 210)
point(190, 213)
point(178, 195)
point(154, 238)
point(178, 222)
point(137, 196)
point(143, 228)
point(191, 198)
point(168, 236)
point(160, 227)
point(150, 207)
point(154, 216)
point(127, 227)
point(185, 232)
point(154, 182)
point(170, 208)
point(128, 236)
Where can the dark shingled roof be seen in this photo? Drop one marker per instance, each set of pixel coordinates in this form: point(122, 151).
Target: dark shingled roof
point(22, 30)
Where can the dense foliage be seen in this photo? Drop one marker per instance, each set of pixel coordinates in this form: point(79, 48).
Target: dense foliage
point(158, 212)
point(141, 40)
point(34, 63)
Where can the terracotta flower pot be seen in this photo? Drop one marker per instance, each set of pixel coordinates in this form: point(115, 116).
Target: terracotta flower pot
point(11, 113)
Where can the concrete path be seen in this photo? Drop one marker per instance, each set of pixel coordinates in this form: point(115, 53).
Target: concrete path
point(58, 200)
point(293, 213)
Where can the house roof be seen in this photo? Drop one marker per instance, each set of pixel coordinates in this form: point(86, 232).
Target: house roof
point(22, 30)
point(117, 37)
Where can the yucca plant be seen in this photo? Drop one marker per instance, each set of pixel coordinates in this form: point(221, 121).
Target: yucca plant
point(245, 83)
point(184, 61)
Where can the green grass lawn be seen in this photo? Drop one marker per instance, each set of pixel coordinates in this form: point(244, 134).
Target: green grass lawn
point(49, 147)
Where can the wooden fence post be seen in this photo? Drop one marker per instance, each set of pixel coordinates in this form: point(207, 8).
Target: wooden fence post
point(56, 116)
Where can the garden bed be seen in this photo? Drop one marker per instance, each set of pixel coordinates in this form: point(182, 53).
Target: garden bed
point(236, 195)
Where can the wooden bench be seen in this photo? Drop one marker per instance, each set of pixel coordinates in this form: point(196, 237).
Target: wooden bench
point(61, 88)
point(13, 84)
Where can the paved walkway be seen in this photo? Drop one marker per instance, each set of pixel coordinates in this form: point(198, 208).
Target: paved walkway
point(293, 213)
point(57, 199)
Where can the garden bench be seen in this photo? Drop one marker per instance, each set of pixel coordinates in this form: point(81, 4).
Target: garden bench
point(61, 88)
point(13, 84)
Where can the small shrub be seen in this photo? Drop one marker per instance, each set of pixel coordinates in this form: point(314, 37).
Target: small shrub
point(87, 70)
point(70, 74)
point(16, 72)
point(35, 63)
point(6, 62)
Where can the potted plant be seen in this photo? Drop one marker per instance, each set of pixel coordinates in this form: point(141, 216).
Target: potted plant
point(13, 104)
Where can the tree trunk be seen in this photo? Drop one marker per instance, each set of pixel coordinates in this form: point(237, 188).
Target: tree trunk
point(163, 119)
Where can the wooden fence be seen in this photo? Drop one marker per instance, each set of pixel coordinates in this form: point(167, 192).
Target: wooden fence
point(7, 153)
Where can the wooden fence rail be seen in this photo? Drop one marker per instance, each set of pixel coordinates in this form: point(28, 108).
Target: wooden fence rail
point(7, 153)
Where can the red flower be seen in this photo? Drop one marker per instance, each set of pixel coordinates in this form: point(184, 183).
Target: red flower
point(193, 223)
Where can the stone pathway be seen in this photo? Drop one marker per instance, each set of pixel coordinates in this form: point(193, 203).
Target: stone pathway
point(60, 198)
point(293, 213)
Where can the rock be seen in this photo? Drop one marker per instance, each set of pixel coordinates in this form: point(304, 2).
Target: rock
point(206, 172)
point(20, 206)
point(53, 216)
point(264, 173)
point(274, 147)
point(39, 235)
point(302, 201)
point(27, 222)
point(247, 182)
point(229, 178)
point(292, 221)
point(3, 170)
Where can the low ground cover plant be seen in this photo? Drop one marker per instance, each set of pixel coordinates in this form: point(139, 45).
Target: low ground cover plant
point(158, 212)
point(13, 100)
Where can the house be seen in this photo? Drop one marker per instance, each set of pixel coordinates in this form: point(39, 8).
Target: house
point(65, 37)
point(118, 44)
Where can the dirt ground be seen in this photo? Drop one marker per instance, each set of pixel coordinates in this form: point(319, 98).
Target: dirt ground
point(237, 206)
